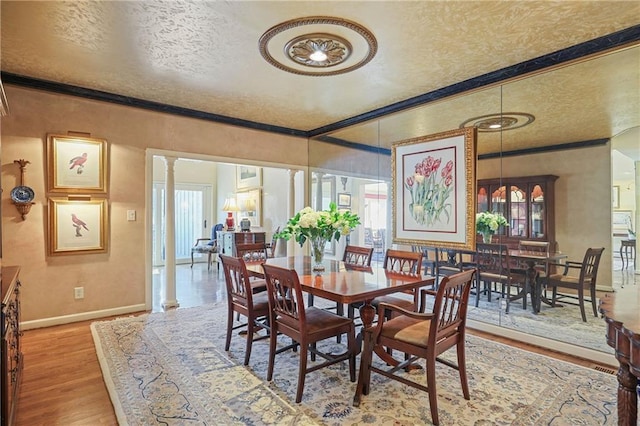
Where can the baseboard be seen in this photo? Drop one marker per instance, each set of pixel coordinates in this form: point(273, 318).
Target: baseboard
point(83, 316)
point(554, 345)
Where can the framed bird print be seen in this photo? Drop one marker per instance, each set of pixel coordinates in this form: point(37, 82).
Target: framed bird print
point(77, 164)
point(78, 225)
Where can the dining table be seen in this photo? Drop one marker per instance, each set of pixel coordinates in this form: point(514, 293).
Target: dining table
point(533, 284)
point(344, 283)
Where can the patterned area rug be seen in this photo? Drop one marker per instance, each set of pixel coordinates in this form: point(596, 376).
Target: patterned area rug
point(547, 323)
point(170, 368)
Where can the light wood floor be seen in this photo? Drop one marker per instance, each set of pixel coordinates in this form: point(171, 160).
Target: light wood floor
point(62, 381)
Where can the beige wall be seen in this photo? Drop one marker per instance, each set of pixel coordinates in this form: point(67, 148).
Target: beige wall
point(583, 197)
point(115, 281)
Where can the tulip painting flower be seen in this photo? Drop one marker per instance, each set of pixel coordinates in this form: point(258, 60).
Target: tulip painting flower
point(430, 188)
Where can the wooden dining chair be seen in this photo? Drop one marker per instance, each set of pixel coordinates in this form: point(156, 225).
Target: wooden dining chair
point(252, 252)
point(536, 247)
point(243, 300)
point(421, 335)
point(583, 278)
point(305, 326)
point(495, 267)
point(401, 262)
point(357, 255)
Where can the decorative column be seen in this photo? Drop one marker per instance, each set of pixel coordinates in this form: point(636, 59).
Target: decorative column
point(292, 207)
point(169, 292)
point(636, 165)
point(319, 176)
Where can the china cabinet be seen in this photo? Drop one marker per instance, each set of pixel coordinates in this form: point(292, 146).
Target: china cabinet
point(527, 202)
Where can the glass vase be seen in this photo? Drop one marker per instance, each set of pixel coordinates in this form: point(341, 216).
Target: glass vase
point(317, 253)
point(486, 237)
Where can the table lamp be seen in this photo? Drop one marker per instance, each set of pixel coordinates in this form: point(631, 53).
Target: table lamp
point(230, 206)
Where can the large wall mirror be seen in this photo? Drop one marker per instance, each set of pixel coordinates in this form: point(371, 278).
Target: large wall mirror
point(585, 131)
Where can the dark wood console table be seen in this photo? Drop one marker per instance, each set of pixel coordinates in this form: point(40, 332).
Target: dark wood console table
point(11, 359)
point(623, 327)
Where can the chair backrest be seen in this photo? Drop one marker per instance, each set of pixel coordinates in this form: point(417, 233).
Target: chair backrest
point(493, 259)
point(252, 252)
point(236, 280)
point(286, 301)
point(214, 233)
point(529, 246)
point(403, 261)
point(274, 242)
point(450, 310)
point(589, 270)
point(356, 255)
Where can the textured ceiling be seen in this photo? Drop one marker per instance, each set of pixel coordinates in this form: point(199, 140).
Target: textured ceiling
point(204, 56)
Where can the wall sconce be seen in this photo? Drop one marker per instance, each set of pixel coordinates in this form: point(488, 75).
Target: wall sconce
point(22, 196)
point(230, 206)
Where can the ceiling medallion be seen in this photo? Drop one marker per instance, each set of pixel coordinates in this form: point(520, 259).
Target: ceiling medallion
point(499, 122)
point(318, 46)
point(318, 50)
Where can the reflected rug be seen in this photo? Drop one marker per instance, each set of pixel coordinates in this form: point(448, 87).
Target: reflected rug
point(547, 323)
point(171, 368)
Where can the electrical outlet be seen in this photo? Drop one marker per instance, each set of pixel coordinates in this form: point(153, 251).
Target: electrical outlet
point(78, 292)
point(131, 215)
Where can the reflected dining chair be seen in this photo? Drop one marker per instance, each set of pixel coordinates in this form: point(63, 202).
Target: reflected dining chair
point(583, 278)
point(421, 335)
point(305, 326)
point(243, 300)
point(495, 267)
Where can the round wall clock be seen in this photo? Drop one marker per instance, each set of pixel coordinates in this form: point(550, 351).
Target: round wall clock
point(22, 194)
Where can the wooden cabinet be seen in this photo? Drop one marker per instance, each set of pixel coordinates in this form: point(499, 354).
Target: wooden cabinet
point(227, 240)
point(11, 360)
point(527, 202)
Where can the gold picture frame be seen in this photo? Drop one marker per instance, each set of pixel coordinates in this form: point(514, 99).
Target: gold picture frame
point(248, 176)
point(250, 204)
point(78, 226)
point(433, 190)
point(77, 164)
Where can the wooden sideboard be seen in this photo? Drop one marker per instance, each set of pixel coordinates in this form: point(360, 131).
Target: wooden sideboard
point(11, 360)
point(623, 335)
point(227, 240)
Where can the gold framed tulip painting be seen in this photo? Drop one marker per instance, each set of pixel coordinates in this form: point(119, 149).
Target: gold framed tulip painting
point(433, 190)
point(76, 164)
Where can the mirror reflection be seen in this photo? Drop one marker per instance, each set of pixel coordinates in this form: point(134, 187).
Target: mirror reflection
point(552, 179)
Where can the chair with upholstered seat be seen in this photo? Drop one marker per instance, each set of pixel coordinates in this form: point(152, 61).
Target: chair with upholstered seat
point(208, 246)
point(420, 335)
point(401, 262)
point(251, 252)
point(305, 326)
point(358, 256)
point(243, 300)
point(582, 279)
point(495, 267)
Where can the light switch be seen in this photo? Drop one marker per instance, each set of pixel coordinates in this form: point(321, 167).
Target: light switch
point(131, 215)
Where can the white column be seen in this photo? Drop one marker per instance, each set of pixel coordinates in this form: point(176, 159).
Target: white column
point(319, 177)
point(169, 297)
point(292, 207)
point(637, 209)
